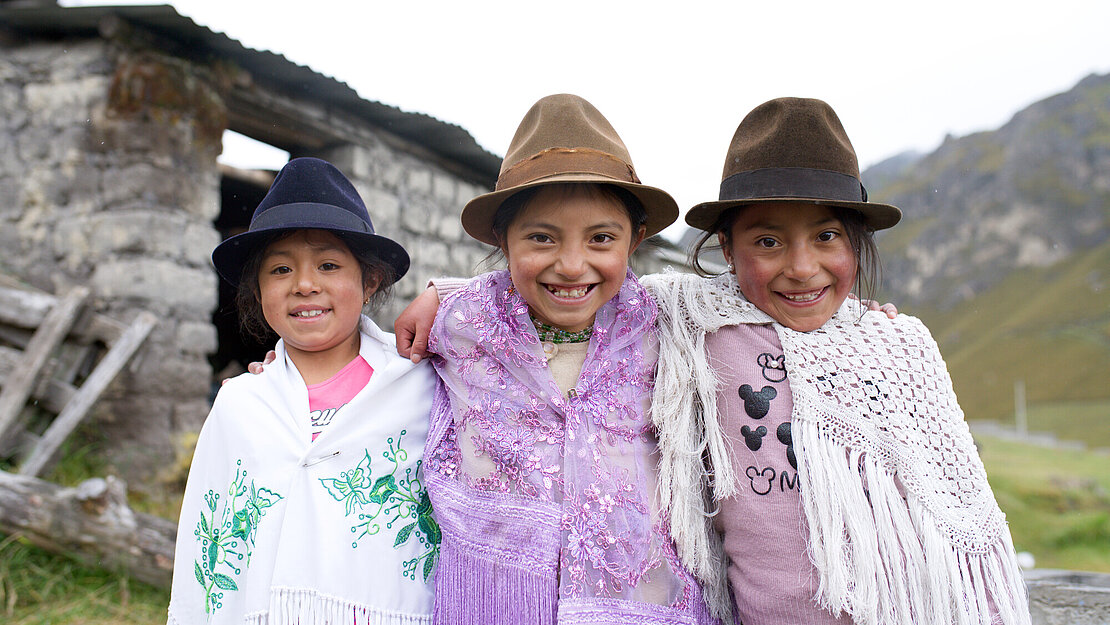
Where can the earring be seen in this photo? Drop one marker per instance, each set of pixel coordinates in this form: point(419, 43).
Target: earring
point(731, 268)
point(366, 301)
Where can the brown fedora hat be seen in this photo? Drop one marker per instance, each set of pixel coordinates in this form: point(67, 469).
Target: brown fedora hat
point(792, 150)
point(562, 139)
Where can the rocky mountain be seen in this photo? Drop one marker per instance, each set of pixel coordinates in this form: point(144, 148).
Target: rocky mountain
point(1030, 194)
point(1004, 252)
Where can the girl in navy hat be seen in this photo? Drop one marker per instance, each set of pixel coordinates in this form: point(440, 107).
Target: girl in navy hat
point(305, 501)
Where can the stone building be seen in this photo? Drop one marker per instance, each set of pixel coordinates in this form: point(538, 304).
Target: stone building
point(111, 121)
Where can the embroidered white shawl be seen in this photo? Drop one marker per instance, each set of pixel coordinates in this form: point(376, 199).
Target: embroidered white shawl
point(903, 526)
point(276, 528)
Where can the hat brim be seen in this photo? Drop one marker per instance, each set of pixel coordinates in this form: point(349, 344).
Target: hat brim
point(876, 216)
point(477, 215)
point(230, 256)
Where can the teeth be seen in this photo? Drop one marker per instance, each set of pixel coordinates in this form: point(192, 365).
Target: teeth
point(806, 297)
point(309, 313)
point(578, 292)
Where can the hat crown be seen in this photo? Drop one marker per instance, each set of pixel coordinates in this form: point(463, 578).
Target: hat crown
point(310, 194)
point(312, 181)
point(791, 132)
point(792, 150)
point(572, 135)
point(563, 139)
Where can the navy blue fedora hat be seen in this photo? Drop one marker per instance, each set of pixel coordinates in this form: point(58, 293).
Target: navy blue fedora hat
point(309, 193)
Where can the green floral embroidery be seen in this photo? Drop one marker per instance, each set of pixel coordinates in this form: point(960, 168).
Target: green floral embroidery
point(391, 499)
point(228, 538)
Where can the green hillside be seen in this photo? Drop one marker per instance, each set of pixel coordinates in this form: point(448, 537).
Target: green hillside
point(1049, 327)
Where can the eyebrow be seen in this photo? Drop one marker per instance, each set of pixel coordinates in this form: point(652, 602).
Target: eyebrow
point(817, 223)
point(320, 249)
point(605, 225)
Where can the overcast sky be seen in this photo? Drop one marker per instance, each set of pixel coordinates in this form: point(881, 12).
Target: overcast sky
point(675, 78)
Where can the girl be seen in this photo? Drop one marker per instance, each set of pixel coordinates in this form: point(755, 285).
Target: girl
point(842, 482)
point(540, 455)
point(305, 501)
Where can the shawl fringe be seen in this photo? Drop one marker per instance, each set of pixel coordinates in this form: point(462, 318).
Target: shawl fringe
point(489, 590)
point(298, 605)
point(878, 551)
point(294, 606)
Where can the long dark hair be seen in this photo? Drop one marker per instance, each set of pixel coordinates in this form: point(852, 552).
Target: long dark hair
point(860, 236)
point(248, 296)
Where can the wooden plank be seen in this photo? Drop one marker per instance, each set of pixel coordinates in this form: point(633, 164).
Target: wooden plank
point(56, 393)
point(89, 392)
point(19, 384)
point(25, 308)
point(97, 327)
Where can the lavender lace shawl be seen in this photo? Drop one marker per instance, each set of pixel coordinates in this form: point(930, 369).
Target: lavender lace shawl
point(547, 502)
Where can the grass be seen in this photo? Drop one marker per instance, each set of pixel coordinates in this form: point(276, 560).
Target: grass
point(1056, 500)
point(1084, 421)
point(39, 588)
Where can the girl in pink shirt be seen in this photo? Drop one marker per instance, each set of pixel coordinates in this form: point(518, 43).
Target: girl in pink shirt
point(306, 501)
point(815, 460)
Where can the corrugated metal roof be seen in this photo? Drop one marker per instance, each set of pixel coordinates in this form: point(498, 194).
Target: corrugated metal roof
point(277, 72)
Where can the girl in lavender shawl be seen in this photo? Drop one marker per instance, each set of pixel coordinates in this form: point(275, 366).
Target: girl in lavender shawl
point(540, 458)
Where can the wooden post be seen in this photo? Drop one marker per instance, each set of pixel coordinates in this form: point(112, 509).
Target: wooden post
point(1021, 419)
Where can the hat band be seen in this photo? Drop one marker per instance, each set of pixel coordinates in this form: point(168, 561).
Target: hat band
point(309, 215)
point(558, 161)
point(800, 182)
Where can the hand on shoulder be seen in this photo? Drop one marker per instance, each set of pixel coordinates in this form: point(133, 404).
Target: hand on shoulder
point(256, 367)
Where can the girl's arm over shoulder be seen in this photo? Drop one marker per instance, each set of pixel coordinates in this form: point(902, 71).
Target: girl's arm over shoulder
point(414, 324)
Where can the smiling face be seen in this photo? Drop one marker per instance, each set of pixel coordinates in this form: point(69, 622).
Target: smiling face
point(312, 292)
point(793, 261)
point(568, 250)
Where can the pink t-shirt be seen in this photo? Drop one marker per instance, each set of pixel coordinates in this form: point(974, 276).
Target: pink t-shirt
point(764, 527)
point(327, 397)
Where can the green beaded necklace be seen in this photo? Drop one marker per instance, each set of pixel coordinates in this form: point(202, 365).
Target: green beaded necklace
point(551, 334)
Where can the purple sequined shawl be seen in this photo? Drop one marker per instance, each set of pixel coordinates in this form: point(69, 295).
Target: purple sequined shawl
point(547, 502)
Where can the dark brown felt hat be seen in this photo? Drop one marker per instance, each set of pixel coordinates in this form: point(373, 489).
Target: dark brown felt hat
point(562, 139)
point(792, 150)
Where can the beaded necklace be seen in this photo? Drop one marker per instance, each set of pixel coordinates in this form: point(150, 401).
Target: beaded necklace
point(555, 335)
point(551, 336)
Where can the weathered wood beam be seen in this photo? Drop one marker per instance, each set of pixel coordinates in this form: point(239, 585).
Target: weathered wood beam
point(302, 126)
point(19, 384)
point(90, 523)
point(43, 453)
point(25, 309)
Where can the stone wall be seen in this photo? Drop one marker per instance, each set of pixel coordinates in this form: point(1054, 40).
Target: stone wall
point(1068, 597)
point(108, 172)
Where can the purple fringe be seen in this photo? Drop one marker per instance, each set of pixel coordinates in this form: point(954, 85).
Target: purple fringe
point(472, 589)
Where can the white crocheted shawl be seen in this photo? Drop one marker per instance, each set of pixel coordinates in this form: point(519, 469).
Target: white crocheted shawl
point(903, 526)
